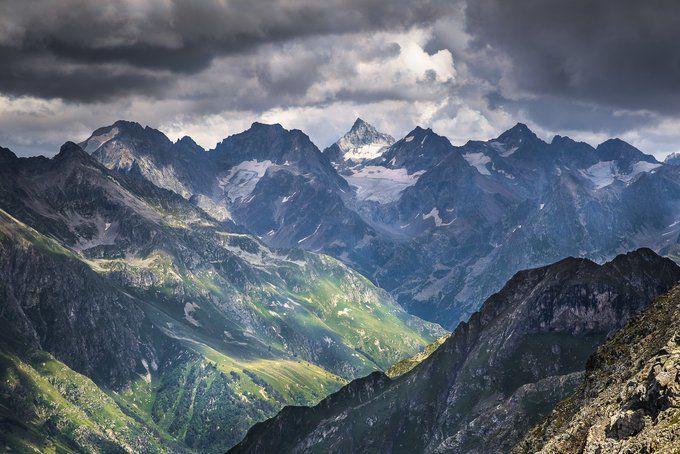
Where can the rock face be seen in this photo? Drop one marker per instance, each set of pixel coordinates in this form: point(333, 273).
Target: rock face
point(52, 301)
point(440, 227)
point(629, 400)
point(189, 325)
point(524, 351)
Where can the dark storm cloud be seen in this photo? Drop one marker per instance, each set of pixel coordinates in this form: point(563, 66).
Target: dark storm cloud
point(98, 49)
point(618, 53)
point(45, 76)
point(567, 115)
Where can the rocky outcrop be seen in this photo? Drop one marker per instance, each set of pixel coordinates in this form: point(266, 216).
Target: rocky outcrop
point(629, 400)
point(53, 302)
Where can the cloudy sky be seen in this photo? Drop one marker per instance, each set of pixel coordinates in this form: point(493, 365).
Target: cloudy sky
point(209, 68)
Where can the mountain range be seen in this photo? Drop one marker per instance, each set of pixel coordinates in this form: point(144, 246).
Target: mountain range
point(160, 297)
point(440, 227)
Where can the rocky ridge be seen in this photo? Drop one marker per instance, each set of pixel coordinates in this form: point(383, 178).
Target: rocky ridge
point(507, 367)
point(629, 400)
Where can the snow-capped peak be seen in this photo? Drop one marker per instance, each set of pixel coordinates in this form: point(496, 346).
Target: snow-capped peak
point(363, 142)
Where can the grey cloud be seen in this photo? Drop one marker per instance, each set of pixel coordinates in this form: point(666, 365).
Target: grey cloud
point(44, 76)
point(148, 41)
point(380, 52)
point(623, 54)
point(603, 67)
point(567, 115)
point(293, 78)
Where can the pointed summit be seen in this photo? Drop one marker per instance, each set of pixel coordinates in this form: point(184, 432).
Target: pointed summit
point(189, 144)
point(360, 123)
point(519, 142)
point(419, 150)
point(519, 133)
point(361, 143)
point(7, 155)
point(72, 151)
point(126, 131)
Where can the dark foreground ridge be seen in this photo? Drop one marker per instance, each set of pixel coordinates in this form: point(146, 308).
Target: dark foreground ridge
point(496, 375)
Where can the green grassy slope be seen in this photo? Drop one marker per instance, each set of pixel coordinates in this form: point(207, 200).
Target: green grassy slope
point(47, 407)
point(239, 331)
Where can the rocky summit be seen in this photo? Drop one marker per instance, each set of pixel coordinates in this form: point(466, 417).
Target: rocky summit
point(505, 369)
point(362, 142)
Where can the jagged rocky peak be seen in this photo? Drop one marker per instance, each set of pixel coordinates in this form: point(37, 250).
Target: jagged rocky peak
point(123, 129)
point(516, 137)
point(419, 150)
point(562, 140)
point(99, 137)
point(7, 155)
point(72, 151)
point(673, 159)
point(418, 132)
point(268, 142)
point(518, 134)
point(420, 139)
point(190, 144)
point(362, 142)
point(259, 126)
point(257, 134)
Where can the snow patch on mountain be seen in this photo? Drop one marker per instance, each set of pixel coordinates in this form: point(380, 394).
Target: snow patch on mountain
point(380, 184)
point(364, 152)
point(605, 173)
point(241, 180)
point(502, 149)
point(478, 161)
point(309, 236)
point(434, 213)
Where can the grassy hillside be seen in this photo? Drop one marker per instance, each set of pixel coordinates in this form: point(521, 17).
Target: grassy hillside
point(183, 332)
